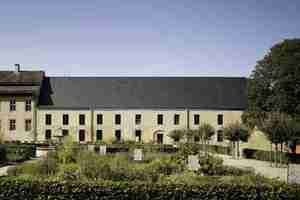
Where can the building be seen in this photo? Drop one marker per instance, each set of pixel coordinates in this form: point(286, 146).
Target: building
point(35, 107)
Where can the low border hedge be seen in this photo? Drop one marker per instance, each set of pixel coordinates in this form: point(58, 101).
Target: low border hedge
point(264, 155)
point(21, 189)
point(16, 152)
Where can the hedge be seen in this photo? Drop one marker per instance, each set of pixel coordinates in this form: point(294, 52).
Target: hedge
point(16, 152)
point(25, 189)
point(264, 155)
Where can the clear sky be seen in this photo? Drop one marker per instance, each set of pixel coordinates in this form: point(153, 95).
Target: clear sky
point(143, 37)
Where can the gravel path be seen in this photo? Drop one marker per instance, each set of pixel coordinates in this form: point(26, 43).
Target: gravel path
point(260, 167)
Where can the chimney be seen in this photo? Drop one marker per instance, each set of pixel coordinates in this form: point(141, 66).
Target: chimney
point(17, 68)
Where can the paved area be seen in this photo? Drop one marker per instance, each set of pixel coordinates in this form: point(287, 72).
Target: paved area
point(260, 167)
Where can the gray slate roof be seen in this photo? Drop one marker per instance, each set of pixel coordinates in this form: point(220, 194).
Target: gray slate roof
point(21, 78)
point(20, 83)
point(144, 92)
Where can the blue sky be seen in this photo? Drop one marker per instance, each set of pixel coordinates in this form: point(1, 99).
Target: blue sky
point(143, 37)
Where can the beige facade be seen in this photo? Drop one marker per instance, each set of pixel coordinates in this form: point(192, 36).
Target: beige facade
point(128, 128)
point(19, 115)
point(148, 126)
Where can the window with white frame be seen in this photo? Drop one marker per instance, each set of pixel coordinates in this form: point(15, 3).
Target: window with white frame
point(28, 105)
point(12, 105)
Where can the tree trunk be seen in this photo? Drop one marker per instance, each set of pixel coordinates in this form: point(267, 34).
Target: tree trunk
point(238, 149)
point(271, 152)
point(276, 155)
point(281, 153)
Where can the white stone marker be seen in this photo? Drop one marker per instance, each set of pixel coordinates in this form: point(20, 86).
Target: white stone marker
point(102, 150)
point(138, 155)
point(91, 147)
point(193, 162)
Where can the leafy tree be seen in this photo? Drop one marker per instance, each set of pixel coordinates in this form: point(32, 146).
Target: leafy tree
point(236, 132)
point(177, 134)
point(274, 85)
point(280, 128)
point(205, 132)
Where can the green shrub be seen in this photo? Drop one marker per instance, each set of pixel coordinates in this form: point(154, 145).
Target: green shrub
point(16, 152)
point(69, 172)
point(26, 189)
point(264, 155)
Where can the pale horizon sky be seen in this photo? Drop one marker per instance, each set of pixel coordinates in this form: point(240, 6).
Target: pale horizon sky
point(143, 37)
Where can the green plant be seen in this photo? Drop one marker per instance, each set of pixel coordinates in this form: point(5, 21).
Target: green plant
point(67, 151)
point(69, 172)
point(176, 134)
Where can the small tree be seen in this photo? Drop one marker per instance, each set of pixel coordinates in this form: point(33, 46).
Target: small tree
point(176, 134)
point(279, 129)
point(236, 132)
point(205, 132)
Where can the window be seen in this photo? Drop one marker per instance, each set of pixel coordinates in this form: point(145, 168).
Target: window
point(12, 124)
point(99, 119)
point(65, 132)
point(28, 105)
point(81, 119)
point(28, 125)
point(138, 135)
point(12, 105)
point(160, 119)
point(176, 119)
point(138, 119)
point(118, 119)
point(118, 135)
point(81, 135)
point(196, 119)
point(220, 136)
point(196, 138)
point(48, 134)
point(220, 119)
point(160, 138)
point(65, 119)
point(99, 135)
point(48, 119)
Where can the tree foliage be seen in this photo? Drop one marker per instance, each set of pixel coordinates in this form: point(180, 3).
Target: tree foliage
point(274, 85)
point(206, 131)
point(176, 134)
point(235, 132)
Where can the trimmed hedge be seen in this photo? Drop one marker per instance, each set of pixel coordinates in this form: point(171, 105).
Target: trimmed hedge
point(21, 189)
point(264, 155)
point(16, 152)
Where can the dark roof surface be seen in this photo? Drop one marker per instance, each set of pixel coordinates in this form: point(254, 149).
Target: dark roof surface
point(144, 92)
point(21, 78)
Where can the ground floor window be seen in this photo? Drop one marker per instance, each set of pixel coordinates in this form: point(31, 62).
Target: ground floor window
point(99, 135)
point(138, 135)
point(81, 135)
point(220, 136)
point(65, 132)
point(48, 134)
point(12, 124)
point(160, 138)
point(28, 125)
point(196, 138)
point(118, 135)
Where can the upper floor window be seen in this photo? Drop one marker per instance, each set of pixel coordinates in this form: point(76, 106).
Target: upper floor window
point(220, 119)
point(160, 119)
point(28, 105)
point(196, 119)
point(28, 126)
point(99, 119)
point(81, 119)
point(65, 119)
point(12, 105)
point(48, 119)
point(118, 119)
point(12, 124)
point(138, 119)
point(176, 119)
